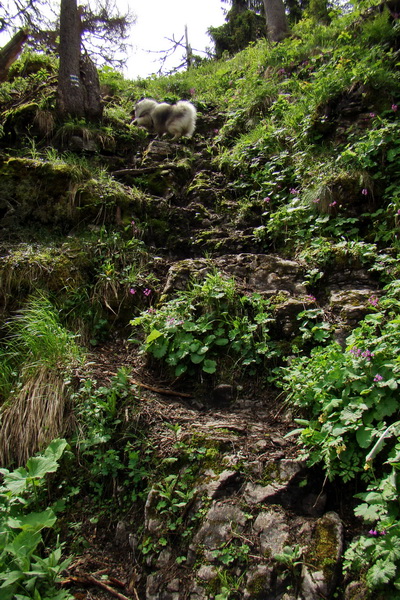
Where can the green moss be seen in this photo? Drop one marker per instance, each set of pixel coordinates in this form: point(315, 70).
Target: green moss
point(322, 552)
point(270, 473)
point(258, 586)
point(27, 267)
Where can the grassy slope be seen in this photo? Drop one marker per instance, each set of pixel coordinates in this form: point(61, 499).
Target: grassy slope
point(309, 133)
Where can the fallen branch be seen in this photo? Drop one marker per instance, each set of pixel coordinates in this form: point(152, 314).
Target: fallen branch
point(144, 170)
point(11, 51)
point(160, 390)
point(90, 580)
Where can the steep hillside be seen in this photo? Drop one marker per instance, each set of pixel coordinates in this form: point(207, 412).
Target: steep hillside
point(212, 324)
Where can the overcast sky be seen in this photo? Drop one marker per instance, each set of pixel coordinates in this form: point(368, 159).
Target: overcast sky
point(160, 19)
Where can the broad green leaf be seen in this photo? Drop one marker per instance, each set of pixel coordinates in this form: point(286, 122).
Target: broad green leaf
point(39, 466)
point(153, 335)
point(180, 369)
point(16, 481)
point(381, 572)
point(56, 449)
point(197, 358)
point(10, 578)
point(209, 366)
point(24, 543)
point(34, 521)
point(160, 350)
point(364, 436)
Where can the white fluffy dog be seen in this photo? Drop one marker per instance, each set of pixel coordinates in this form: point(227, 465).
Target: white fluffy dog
point(177, 119)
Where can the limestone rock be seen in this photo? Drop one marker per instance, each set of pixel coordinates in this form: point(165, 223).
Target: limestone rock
point(322, 559)
point(289, 468)
point(263, 273)
point(256, 494)
point(216, 486)
point(273, 531)
point(220, 521)
point(258, 582)
point(207, 573)
point(351, 305)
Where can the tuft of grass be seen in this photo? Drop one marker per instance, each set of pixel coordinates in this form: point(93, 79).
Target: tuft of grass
point(37, 359)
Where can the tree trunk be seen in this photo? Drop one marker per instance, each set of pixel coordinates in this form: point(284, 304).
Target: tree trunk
point(70, 93)
point(91, 84)
point(277, 26)
point(10, 52)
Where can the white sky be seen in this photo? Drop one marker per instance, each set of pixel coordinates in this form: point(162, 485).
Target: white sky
point(160, 19)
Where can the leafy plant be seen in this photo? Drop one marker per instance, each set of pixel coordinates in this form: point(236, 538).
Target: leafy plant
point(107, 453)
point(26, 572)
point(192, 328)
point(292, 559)
point(351, 399)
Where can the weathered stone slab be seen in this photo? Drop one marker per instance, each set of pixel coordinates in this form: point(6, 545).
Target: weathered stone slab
point(273, 532)
point(322, 560)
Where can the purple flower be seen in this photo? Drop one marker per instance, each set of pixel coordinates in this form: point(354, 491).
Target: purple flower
point(132, 291)
point(372, 115)
point(378, 377)
point(394, 107)
point(192, 91)
point(373, 532)
point(147, 292)
point(293, 191)
point(364, 192)
point(333, 203)
point(355, 351)
point(267, 199)
point(373, 300)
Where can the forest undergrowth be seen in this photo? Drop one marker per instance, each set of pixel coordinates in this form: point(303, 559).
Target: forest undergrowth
point(305, 135)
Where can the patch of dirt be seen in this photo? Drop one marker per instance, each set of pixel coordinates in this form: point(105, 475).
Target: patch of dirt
point(251, 428)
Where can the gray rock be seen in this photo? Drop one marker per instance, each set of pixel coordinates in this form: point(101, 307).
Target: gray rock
point(355, 591)
point(207, 573)
point(258, 582)
point(216, 485)
point(173, 585)
point(121, 534)
point(256, 494)
point(152, 523)
point(351, 305)
point(264, 273)
point(163, 558)
point(273, 532)
point(289, 468)
point(322, 559)
point(198, 593)
point(220, 521)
